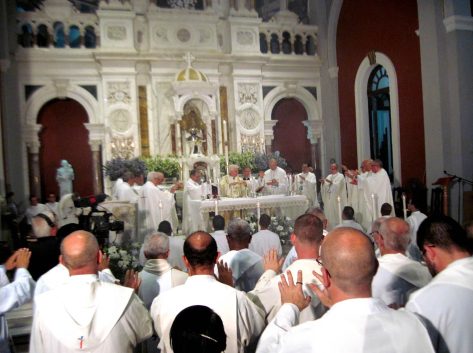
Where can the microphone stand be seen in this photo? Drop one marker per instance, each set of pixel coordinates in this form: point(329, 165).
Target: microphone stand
point(460, 182)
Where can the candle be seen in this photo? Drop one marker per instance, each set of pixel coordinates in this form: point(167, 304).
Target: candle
point(178, 140)
point(224, 132)
point(253, 186)
point(226, 157)
point(160, 210)
point(218, 186)
point(216, 206)
point(374, 207)
point(404, 208)
point(203, 190)
point(258, 214)
point(339, 210)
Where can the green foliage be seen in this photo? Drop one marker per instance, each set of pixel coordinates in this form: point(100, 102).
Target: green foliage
point(169, 165)
point(115, 168)
point(245, 159)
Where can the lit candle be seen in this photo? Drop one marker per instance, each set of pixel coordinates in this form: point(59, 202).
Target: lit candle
point(258, 214)
point(374, 207)
point(161, 210)
point(404, 208)
point(216, 206)
point(339, 202)
point(226, 157)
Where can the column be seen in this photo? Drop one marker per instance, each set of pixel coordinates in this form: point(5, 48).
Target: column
point(96, 167)
point(269, 134)
point(33, 169)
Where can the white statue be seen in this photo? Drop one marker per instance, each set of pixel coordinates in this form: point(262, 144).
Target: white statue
point(64, 177)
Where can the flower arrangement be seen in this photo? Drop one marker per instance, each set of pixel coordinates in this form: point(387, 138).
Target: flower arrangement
point(123, 257)
point(282, 226)
point(261, 160)
point(115, 168)
point(245, 159)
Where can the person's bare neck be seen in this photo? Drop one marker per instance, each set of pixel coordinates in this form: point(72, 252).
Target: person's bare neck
point(447, 257)
point(307, 252)
point(83, 271)
point(337, 295)
point(201, 270)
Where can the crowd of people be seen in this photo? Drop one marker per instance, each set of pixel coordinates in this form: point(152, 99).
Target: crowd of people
point(236, 293)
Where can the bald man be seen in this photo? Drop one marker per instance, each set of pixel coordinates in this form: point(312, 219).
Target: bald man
point(397, 276)
point(85, 313)
point(356, 322)
point(242, 320)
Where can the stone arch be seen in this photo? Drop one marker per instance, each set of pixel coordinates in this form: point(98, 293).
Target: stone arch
point(300, 93)
point(49, 92)
point(361, 102)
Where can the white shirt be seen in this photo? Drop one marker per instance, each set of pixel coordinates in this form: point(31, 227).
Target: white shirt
point(126, 193)
point(13, 295)
point(91, 315)
point(281, 177)
point(32, 211)
point(447, 303)
point(330, 194)
point(243, 321)
point(247, 268)
point(364, 325)
point(151, 198)
point(265, 240)
point(53, 207)
point(220, 237)
point(59, 275)
point(268, 295)
point(397, 277)
point(414, 220)
point(309, 187)
point(192, 191)
point(351, 224)
point(158, 277)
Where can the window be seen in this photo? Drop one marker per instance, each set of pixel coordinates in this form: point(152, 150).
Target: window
point(379, 109)
point(59, 35)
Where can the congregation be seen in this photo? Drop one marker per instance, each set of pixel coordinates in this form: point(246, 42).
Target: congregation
point(342, 287)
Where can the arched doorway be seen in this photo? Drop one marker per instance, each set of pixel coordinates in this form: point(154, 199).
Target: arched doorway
point(290, 134)
point(64, 136)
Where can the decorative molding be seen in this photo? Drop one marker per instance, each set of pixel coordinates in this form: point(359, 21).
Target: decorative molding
point(62, 86)
point(458, 23)
point(118, 92)
point(247, 93)
point(120, 120)
point(123, 147)
point(249, 119)
point(116, 32)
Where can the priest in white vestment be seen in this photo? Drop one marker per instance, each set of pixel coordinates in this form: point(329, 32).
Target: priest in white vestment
point(415, 219)
point(308, 185)
point(275, 179)
point(125, 191)
point(333, 190)
point(246, 265)
point(377, 190)
point(397, 276)
point(87, 314)
point(307, 238)
point(16, 293)
point(356, 322)
point(232, 185)
point(265, 240)
point(192, 191)
point(34, 209)
point(447, 301)
point(156, 205)
point(243, 321)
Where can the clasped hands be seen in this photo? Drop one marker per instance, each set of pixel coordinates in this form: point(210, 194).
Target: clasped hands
point(19, 259)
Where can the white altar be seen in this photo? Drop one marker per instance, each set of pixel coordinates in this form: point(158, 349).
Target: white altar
point(291, 206)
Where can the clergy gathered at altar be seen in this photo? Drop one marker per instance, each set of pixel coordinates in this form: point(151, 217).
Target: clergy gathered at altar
point(405, 286)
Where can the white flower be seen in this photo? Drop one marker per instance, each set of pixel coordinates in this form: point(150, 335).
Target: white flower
point(279, 228)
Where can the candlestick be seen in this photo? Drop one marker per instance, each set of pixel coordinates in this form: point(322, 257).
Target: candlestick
point(374, 207)
point(216, 206)
point(226, 157)
point(160, 210)
point(224, 132)
point(258, 214)
point(404, 208)
point(339, 210)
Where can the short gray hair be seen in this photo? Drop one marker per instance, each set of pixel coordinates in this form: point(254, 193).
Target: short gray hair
point(41, 228)
point(396, 234)
point(155, 244)
point(239, 229)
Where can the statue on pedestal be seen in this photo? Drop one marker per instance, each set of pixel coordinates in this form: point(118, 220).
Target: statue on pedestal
point(64, 178)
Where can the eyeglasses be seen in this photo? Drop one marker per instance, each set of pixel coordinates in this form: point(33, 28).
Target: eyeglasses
point(319, 261)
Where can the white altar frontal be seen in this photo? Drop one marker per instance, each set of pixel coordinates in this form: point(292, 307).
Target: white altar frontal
point(290, 206)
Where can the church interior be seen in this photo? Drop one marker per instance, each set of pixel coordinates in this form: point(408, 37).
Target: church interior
point(319, 81)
